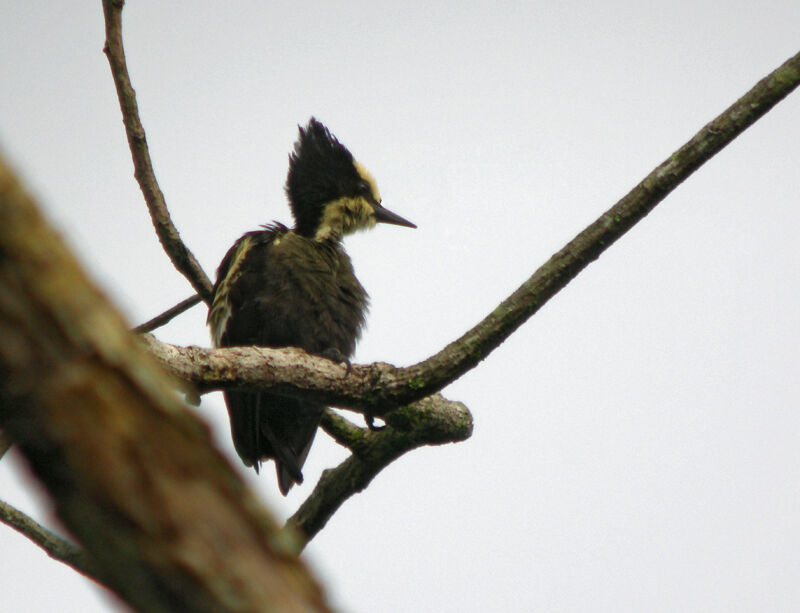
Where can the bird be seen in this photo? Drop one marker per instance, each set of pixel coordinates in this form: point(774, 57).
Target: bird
point(295, 287)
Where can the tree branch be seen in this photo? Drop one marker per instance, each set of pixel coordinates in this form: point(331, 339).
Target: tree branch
point(289, 370)
point(376, 388)
point(53, 545)
point(466, 352)
point(168, 235)
point(343, 431)
point(168, 315)
point(133, 474)
point(432, 421)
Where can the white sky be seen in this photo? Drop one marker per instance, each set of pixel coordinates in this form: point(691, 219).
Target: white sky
point(636, 443)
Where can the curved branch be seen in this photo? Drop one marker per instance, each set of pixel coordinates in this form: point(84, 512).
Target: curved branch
point(53, 545)
point(178, 253)
point(432, 421)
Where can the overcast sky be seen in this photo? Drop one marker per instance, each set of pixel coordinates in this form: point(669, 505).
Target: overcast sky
point(636, 443)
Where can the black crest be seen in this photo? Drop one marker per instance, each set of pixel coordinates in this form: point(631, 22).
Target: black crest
point(321, 170)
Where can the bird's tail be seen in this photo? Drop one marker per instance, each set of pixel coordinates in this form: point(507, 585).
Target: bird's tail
point(266, 426)
point(290, 425)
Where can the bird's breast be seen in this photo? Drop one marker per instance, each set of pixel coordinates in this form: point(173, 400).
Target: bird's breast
point(313, 295)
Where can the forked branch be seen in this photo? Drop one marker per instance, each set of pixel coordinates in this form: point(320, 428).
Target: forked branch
point(432, 421)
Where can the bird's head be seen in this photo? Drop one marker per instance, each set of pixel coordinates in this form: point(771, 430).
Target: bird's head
point(331, 194)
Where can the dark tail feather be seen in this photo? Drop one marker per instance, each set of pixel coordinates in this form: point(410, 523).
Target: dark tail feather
point(244, 415)
point(290, 425)
point(286, 477)
point(266, 426)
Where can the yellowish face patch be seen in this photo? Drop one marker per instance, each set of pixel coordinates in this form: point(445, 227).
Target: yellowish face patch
point(345, 216)
point(367, 176)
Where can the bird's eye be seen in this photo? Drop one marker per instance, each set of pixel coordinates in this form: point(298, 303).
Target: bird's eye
point(363, 186)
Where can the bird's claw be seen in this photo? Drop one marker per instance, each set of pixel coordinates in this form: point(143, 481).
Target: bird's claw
point(333, 354)
point(370, 419)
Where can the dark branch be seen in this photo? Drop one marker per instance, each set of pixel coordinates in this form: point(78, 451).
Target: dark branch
point(181, 257)
point(466, 352)
point(168, 315)
point(432, 421)
point(53, 545)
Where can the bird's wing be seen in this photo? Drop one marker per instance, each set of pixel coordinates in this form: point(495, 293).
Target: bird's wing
point(252, 306)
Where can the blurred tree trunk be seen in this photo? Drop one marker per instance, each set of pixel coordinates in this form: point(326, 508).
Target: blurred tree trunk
point(166, 522)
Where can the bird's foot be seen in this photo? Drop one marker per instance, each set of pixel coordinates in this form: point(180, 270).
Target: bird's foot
point(370, 419)
point(333, 354)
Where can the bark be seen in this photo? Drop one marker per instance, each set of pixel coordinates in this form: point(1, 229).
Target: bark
point(132, 473)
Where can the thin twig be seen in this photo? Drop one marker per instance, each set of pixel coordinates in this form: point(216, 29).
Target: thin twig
point(53, 545)
point(168, 315)
point(178, 253)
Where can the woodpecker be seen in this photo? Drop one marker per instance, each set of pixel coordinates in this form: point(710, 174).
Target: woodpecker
point(281, 287)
